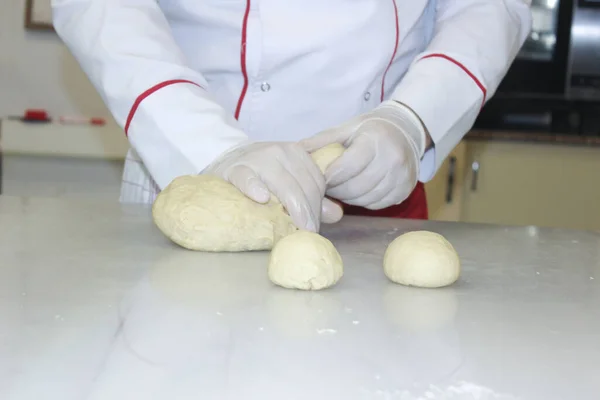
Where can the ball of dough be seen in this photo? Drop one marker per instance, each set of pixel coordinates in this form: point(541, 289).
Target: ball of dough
point(305, 260)
point(326, 155)
point(423, 259)
point(207, 213)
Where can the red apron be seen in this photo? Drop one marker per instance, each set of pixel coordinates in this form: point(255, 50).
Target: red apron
point(414, 207)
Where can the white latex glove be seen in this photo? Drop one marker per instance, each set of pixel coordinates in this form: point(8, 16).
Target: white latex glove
point(288, 172)
point(380, 167)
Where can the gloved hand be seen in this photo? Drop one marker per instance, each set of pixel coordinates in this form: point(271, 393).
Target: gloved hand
point(287, 171)
point(380, 166)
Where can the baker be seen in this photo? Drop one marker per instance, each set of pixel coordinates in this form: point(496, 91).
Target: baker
point(247, 88)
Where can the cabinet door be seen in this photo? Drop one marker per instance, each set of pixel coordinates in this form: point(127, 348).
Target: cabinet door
point(532, 184)
point(445, 190)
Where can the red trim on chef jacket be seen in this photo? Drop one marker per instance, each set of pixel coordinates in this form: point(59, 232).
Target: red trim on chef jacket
point(243, 60)
point(414, 207)
point(461, 66)
point(395, 50)
point(147, 93)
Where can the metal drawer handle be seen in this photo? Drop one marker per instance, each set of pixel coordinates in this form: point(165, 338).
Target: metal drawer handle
point(450, 187)
point(475, 169)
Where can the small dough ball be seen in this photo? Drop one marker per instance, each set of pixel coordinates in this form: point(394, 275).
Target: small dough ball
point(423, 259)
point(326, 155)
point(305, 260)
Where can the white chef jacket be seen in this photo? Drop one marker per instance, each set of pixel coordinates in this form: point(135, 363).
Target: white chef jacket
point(189, 79)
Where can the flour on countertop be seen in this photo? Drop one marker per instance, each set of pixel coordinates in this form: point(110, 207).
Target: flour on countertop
point(458, 391)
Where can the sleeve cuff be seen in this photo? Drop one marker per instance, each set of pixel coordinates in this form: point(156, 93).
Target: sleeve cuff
point(428, 166)
point(179, 130)
point(447, 97)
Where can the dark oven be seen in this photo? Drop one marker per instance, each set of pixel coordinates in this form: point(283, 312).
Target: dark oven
point(554, 83)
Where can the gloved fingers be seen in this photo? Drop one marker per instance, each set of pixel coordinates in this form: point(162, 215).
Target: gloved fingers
point(249, 183)
point(310, 178)
point(339, 134)
point(303, 204)
point(404, 181)
point(395, 196)
point(357, 193)
point(357, 157)
point(359, 185)
point(331, 211)
point(312, 171)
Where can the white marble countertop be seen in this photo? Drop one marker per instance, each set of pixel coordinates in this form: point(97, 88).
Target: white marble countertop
point(96, 304)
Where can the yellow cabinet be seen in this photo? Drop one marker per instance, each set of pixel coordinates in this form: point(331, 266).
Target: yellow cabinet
point(445, 190)
point(532, 184)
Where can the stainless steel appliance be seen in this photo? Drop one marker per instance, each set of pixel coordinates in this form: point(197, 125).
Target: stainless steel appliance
point(584, 56)
point(561, 56)
point(554, 83)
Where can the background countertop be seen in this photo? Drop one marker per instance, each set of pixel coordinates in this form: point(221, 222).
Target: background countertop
point(52, 139)
point(110, 143)
point(96, 304)
point(534, 137)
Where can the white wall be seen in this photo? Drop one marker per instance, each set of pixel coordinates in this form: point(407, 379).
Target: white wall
point(37, 71)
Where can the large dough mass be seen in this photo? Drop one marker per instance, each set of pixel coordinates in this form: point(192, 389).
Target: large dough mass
point(423, 259)
point(207, 213)
point(305, 260)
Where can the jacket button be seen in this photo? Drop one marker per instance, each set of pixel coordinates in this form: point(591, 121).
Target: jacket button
point(265, 87)
point(367, 96)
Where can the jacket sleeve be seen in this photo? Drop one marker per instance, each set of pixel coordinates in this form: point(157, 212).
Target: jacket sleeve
point(473, 45)
point(126, 49)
